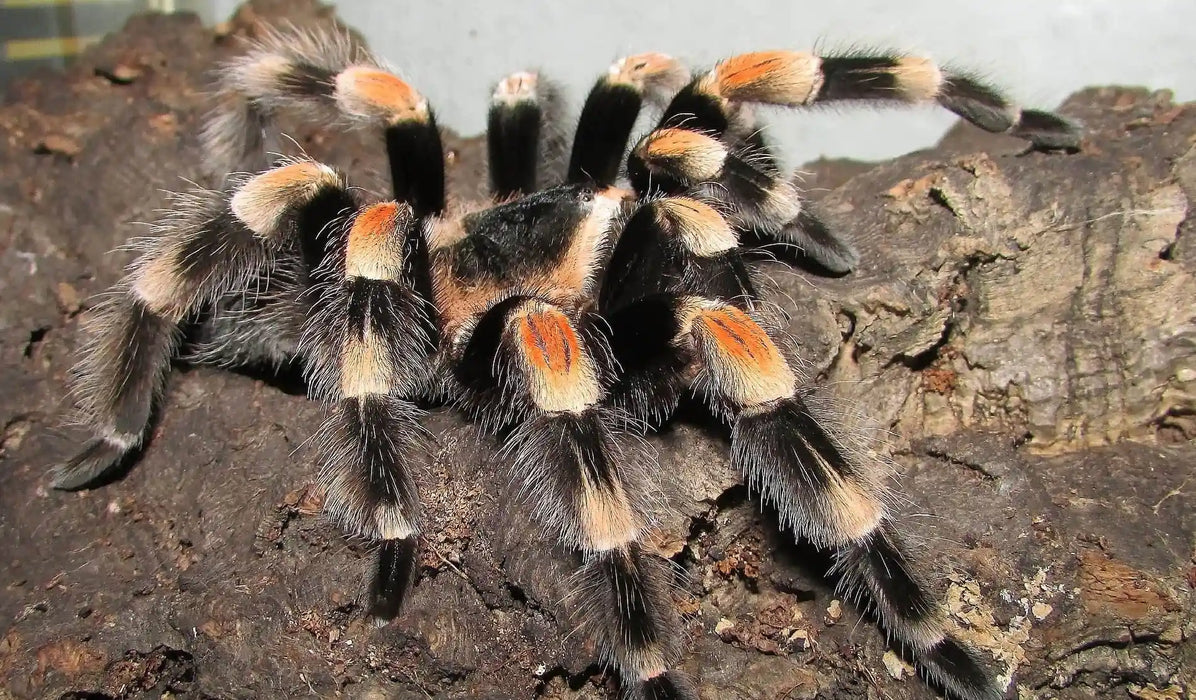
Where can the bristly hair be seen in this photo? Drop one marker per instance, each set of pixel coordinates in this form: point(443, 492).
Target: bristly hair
point(562, 465)
point(116, 381)
point(622, 599)
point(564, 320)
point(397, 319)
point(260, 328)
point(366, 444)
point(285, 68)
point(199, 254)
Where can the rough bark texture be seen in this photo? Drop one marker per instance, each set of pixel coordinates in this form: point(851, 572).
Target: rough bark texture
point(1022, 327)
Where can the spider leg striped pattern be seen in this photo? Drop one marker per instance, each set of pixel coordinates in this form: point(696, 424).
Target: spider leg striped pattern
point(561, 319)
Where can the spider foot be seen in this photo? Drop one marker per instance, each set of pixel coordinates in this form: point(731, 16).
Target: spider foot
point(958, 669)
point(670, 685)
point(818, 242)
point(99, 458)
point(394, 570)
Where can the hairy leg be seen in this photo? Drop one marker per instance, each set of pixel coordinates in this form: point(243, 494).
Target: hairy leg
point(755, 196)
point(215, 243)
point(823, 489)
point(714, 101)
point(611, 109)
point(586, 485)
point(374, 359)
point(323, 77)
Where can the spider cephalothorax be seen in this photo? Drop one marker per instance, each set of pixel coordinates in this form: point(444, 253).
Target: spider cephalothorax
point(562, 319)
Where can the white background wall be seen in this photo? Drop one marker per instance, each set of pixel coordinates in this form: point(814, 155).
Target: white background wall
point(1041, 50)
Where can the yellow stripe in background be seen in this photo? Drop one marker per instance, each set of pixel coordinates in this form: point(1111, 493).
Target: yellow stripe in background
point(28, 49)
point(51, 3)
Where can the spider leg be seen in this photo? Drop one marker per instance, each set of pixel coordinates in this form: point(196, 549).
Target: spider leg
point(416, 155)
point(373, 323)
point(290, 70)
point(714, 101)
point(513, 135)
point(670, 247)
point(523, 135)
point(611, 109)
point(680, 305)
point(757, 196)
point(258, 332)
point(708, 132)
point(547, 372)
point(263, 329)
point(213, 244)
point(325, 78)
point(680, 245)
point(822, 490)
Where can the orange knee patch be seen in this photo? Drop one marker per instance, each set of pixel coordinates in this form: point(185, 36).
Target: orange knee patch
point(372, 93)
point(775, 77)
point(561, 376)
point(375, 246)
point(549, 341)
point(650, 70)
point(737, 335)
point(745, 364)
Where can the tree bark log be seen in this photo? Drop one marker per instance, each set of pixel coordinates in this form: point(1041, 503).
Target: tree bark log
point(1021, 331)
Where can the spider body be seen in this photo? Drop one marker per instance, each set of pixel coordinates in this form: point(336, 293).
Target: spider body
point(561, 319)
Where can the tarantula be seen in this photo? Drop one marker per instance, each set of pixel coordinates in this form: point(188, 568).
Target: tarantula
point(561, 319)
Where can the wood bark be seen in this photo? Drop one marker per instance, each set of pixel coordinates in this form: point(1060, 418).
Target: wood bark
point(1021, 334)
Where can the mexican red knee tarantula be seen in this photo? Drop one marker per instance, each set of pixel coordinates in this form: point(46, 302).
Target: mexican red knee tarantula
point(560, 318)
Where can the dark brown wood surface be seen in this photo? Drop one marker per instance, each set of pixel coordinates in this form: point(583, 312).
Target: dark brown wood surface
point(1021, 333)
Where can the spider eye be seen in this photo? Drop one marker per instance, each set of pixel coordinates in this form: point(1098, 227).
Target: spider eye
point(585, 195)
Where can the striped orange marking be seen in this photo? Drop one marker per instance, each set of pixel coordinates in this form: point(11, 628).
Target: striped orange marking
point(560, 377)
point(739, 336)
point(748, 69)
point(549, 341)
point(775, 77)
point(746, 365)
point(381, 89)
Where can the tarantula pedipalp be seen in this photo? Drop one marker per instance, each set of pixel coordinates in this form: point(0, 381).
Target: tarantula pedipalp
point(561, 319)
